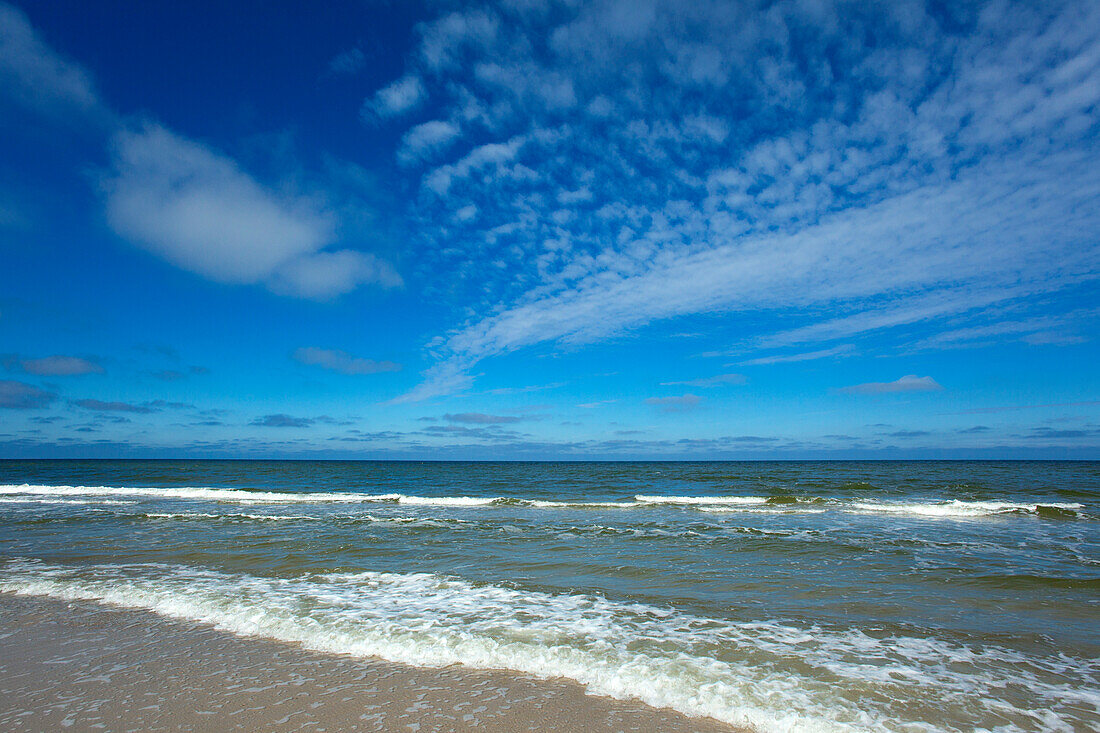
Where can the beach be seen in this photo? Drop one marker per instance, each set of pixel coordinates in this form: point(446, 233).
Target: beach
point(82, 666)
point(774, 597)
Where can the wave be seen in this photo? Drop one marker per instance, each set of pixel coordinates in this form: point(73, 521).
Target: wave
point(339, 518)
point(771, 676)
point(963, 509)
point(231, 516)
point(36, 500)
point(244, 496)
point(784, 503)
point(703, 500)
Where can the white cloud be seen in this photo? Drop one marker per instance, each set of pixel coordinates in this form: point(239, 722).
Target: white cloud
point(197, 209)
point(325, 275)
point(842, 350)
point(707, 382)
point(341, 361)
point(908, 383)
point(485, 156)
point(37, 77)
point(400, 97)
point(425, 139)
point(939, 240)
point(679, 403)
point(894, 168)
point(185, 202)
point(443, 40)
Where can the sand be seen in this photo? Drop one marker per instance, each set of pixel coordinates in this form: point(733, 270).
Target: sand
point(83, 667)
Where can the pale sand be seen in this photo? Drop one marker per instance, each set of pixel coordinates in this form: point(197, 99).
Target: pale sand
point(83, 667)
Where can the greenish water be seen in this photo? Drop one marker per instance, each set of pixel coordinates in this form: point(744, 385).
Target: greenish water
point(782, 595)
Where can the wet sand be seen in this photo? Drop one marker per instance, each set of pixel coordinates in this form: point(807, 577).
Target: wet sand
point(83, 667)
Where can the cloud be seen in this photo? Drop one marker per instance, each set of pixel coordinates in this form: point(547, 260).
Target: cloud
point(36, 77)
point(165, 404)
point(675, 404)
point(1013, 408)
point(347, 63)
point(843, 350)
point(425, 139)
point(341, 361)
point(53, 366)
point(707, 382)
point(916, 181)
point(21, 396)
point(400, 97)
point(325, 275)
point(1053, 330)
point(1046, 433)
point(197, 209)
point(478, 418)
point(101, 406)
point(908, 383)
point(492, 433)
point(974, 430)
point(282, 421)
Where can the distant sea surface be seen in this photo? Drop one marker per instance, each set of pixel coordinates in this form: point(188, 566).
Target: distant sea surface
point(786, 596)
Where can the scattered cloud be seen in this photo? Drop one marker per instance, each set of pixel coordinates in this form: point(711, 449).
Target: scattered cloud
point(594, 405)
point(908, 383)
point(165, 404)
point(681, 403)
point(1013, 408)
point(400, 97)
point(707, 382)
point(347, 63)
point(21, 396)
point(424, 139)
point(910, 185)
point(341, 361)
point(102, 406)
point(53, 366)
point(480, 418)
point(282, 421)
point(843, 350)
point(38, 78)
point(1048, 433)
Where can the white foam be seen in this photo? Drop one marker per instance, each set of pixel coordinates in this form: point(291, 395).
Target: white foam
point(703, 500)
point(935, 509)
point(238, 516)
point(958, 508)
point(203, 515)
point(770, 676)
point(447, 500)
point(35, 500)
point(547, 504)
point(190, 492)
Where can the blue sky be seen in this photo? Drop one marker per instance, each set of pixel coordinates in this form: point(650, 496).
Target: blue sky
point(528, 229)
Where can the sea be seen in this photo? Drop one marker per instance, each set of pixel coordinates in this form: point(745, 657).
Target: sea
point(778, 596)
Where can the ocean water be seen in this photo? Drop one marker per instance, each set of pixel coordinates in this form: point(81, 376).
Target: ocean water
point(785, 596)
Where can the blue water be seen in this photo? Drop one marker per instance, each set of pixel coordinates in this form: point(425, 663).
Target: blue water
point(778, 595)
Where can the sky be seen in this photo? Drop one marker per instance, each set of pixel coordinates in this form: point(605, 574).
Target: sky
point(531, 229)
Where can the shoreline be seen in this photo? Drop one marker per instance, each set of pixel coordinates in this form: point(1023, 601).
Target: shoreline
point(81, 665)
